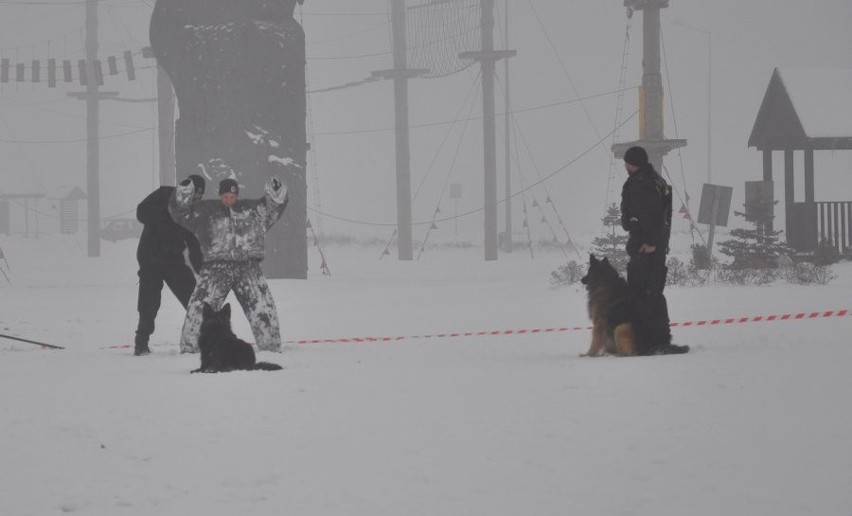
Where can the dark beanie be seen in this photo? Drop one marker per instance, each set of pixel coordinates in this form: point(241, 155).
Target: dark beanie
point(636, 156)
point(198, 183)
point(228, 186)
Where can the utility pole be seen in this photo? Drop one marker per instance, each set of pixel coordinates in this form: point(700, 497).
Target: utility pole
point(651, 136)
point(93, 131)
point(92, 96)
point(507, 239)
point(403, 150)
point(166, 128)
point(400, 73)
point(488, 58)
point(166, 101)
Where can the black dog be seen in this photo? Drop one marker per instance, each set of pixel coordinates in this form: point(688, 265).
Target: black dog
point(221, 350)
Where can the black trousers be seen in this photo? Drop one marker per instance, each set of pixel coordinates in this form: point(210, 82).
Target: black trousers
point(180, 280)
point(646, 279)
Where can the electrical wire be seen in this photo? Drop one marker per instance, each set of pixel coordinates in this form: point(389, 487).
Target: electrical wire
point(559, 170)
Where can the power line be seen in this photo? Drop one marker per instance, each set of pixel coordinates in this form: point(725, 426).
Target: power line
point(79, 140)
point(562, 168)
point(434, 124)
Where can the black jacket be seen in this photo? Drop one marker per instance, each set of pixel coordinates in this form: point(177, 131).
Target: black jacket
point(646, 210)
point(163, 240)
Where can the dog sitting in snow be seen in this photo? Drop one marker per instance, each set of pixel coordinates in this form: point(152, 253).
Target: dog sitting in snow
point(614, 318)
point(618, 327)
point(221, 350)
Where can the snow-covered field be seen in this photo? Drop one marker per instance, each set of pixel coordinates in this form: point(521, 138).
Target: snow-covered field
point(754, 421)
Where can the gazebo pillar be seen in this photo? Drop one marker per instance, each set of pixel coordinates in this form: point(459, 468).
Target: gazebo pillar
point(767, 176)
point(809, 175)
point(789, 190)
point(789, 177)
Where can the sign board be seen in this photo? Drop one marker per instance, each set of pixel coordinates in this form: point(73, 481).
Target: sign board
point(716, 200)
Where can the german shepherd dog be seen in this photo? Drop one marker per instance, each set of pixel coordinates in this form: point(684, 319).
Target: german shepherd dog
point(615, 323)
point(618, 326)
point(221, 350)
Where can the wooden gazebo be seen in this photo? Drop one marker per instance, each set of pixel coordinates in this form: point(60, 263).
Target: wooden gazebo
point(807, 110)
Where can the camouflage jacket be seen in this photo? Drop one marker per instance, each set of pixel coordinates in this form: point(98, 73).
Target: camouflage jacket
point(235, 234)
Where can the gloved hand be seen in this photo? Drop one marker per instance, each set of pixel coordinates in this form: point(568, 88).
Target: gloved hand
point(185, 190)
point(276, 189)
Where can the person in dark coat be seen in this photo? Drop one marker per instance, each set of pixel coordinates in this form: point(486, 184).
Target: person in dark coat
point(161, 259)
point(232, 234)
point(646, 214)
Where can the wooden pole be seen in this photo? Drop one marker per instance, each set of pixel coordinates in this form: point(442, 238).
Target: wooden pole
point(489, 132)
point(92, 132)
point(507, 239)
point(166, 128)
point(403, 150)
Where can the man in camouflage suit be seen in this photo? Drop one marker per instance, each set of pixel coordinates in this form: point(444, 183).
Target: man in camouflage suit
point(232, 234)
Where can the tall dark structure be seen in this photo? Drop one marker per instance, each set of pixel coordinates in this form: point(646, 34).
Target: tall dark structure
point(488, 58)
point(651, 135)
point(238, 69)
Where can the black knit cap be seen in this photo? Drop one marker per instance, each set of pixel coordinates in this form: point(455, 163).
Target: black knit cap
point(228, 186)
point(198, 183)
point(636, 156)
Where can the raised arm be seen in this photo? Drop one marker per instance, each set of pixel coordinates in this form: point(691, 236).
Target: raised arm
point(180, 206)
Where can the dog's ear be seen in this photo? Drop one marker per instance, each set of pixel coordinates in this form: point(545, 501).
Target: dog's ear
point(207, 311)
point(226, 310)
point(592, 259)
point(605, 260)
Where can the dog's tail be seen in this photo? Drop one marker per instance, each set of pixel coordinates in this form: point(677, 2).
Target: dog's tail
point(266, 366)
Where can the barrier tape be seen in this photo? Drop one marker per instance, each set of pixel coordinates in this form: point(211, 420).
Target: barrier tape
point(533, 331)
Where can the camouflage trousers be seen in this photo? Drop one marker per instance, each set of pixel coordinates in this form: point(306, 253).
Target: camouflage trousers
point(246, 280)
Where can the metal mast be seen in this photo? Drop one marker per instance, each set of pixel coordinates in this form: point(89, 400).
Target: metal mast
point(651, 135)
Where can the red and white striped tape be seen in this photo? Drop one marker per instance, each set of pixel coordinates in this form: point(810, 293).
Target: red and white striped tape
point(533, 331)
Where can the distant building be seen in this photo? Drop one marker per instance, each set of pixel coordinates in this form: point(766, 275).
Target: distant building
point(807, 110)
point(69, 201)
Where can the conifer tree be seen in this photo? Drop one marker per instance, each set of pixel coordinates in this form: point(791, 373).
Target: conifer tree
point(755, 248)
point(613, 244)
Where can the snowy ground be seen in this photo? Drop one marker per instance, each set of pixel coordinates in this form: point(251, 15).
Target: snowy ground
point(749, 423)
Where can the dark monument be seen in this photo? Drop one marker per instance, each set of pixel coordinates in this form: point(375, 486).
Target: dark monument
point(238, 69)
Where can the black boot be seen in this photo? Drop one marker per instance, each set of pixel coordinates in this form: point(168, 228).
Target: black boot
point(141, 346)
point(672, 349)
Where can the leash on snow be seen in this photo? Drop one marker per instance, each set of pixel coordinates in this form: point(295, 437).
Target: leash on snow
point(42, 344)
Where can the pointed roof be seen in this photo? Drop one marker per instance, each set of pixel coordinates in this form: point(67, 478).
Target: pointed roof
point(70, 193)
point(805, 108)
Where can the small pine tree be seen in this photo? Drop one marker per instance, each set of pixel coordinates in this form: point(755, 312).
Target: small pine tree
point(755, 248)
point(613, 245)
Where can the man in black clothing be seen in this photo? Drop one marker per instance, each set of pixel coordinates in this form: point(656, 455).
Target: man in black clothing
point(161, 259)
point(646, 213)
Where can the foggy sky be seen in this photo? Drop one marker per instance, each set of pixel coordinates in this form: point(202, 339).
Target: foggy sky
point(351, 130)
